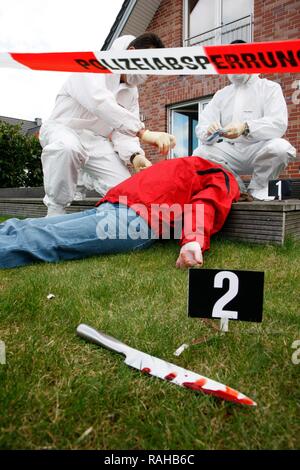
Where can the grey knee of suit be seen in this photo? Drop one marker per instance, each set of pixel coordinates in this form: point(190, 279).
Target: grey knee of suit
point(281, 149)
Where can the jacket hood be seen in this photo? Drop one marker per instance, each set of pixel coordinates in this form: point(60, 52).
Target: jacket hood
point(121, 44)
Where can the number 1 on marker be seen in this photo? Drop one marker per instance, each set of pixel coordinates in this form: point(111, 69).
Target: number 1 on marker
point(279, 184)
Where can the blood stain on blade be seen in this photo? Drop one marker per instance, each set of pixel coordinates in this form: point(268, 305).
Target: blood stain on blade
point(228, 394)
point(195, 385)
point(146, 370)
point(171, 376)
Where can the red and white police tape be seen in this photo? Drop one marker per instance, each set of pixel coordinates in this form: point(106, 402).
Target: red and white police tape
point(264, 57)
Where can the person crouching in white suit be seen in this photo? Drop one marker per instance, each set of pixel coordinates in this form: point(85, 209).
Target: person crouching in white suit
point(252, 112)
point(93, 132)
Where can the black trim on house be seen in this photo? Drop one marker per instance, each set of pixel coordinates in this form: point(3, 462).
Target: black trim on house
point(115, 25)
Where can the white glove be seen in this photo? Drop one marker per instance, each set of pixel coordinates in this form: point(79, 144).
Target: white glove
point(140, 162)
point(214, 127)
point(162, 140)
point(190, 255)
point(234, 130)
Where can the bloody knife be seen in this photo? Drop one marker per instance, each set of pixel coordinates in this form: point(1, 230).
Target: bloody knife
point(162, 369)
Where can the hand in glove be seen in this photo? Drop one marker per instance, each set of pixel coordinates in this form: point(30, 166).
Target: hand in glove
point(140, 162)
point(234, 130)
point(162, 140)
point(190, 255)
point(214, 127)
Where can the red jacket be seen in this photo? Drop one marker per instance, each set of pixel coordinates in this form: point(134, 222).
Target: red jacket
point(181, 181)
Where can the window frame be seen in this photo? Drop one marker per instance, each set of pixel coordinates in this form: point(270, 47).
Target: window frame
point(185, 27)
point(202, 102)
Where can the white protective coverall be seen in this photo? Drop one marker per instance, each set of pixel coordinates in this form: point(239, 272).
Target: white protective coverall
point(263, 153)
point(90, 136)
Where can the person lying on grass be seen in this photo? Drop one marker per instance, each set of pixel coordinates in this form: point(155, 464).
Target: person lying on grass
point(187, 198)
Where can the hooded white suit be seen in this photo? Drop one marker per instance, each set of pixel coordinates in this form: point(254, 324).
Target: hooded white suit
point(89, 136)
point(263, 153)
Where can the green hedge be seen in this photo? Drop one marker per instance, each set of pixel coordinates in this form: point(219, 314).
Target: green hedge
point(20, 158)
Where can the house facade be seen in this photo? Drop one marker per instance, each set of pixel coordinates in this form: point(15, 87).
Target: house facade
point(27, 127)
point(174, 104)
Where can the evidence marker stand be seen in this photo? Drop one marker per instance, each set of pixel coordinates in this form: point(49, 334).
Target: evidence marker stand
point(224, 295)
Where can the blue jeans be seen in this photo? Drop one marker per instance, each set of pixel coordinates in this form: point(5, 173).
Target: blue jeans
point(109, 228)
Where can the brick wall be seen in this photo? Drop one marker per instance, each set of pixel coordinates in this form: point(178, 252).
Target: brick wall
point(273, 20)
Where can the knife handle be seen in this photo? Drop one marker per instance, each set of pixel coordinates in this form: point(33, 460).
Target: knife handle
point(97, 337)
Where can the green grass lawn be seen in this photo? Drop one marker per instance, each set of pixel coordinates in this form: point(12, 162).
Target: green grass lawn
point(55, 386)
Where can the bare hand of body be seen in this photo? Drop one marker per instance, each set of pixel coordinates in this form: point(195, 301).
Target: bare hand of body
point(190, 256)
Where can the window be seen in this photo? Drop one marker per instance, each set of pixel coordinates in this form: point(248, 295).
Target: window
point(209, 22)
point(183, 119)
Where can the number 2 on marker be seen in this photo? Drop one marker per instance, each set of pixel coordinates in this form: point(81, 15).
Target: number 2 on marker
point(232, 292)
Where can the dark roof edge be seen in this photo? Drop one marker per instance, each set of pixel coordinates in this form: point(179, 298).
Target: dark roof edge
point(116, 24)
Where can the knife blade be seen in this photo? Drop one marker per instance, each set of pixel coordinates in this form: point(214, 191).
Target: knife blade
point(163, 369)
